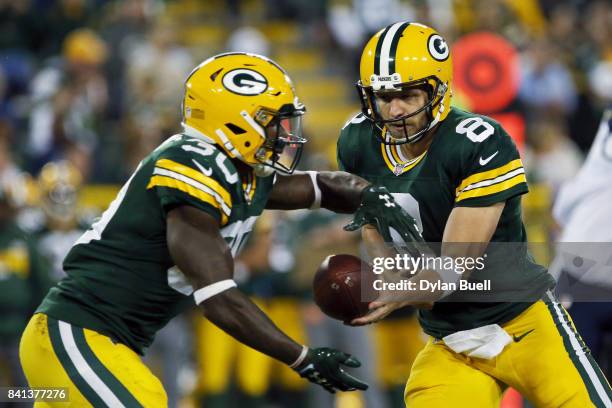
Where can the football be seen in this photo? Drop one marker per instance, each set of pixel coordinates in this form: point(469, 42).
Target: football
point(337, 287)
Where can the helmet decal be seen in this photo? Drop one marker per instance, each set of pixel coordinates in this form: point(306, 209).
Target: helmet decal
point(437, 47)
point(380, 81)
point(386, 48)
point(244, 81)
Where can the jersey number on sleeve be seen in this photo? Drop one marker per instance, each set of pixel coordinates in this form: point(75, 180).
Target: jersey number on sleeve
point(476, 129)
point(206, 150)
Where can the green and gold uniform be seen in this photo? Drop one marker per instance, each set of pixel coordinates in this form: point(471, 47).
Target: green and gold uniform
point(122, 285)
point(472, 162)
point(451, 173)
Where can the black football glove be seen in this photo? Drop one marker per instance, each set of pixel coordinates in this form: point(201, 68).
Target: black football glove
point(379, 208)
point(323, 366)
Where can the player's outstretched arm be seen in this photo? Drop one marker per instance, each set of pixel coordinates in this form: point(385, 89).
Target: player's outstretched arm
point(337, 191)
point(203, 256)
point(197, 248)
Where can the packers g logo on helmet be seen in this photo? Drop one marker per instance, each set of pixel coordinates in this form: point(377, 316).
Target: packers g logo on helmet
point(437, 47)
point(245, 82)
point(246, 104)
point(405, 55)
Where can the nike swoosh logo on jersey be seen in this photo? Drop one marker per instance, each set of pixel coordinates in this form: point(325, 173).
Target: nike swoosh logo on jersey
point(204, 170)
point(488, 159)
point(522, 336)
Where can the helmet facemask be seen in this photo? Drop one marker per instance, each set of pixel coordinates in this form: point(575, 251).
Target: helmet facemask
point(435, 89)
point(282, 148)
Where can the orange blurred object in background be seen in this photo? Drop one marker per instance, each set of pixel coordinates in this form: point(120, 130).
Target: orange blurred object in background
point(486, 75)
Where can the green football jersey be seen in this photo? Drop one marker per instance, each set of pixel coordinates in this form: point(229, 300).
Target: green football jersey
point(121, 280)
point(471, 162)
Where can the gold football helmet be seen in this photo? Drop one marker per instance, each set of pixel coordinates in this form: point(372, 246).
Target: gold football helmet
point(400, 56)
point(246, 104)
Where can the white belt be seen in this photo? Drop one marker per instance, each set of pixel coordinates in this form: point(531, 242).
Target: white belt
point(483, 342)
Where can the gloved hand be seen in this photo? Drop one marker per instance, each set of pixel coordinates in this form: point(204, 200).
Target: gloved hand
point(323, 366)
point(379, 208)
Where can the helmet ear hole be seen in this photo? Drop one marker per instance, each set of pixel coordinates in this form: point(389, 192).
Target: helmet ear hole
point(237, 130)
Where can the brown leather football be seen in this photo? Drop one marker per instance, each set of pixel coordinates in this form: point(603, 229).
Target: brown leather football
point(338, 288)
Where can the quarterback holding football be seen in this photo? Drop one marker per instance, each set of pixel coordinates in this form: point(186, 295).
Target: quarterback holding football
point(460, 177)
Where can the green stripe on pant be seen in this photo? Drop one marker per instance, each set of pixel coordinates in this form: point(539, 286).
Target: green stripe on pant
point(565, 330)
point(104, 373)
point(62, 355)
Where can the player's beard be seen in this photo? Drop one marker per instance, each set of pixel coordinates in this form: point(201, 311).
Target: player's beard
point(409, 127)
point(399, 131)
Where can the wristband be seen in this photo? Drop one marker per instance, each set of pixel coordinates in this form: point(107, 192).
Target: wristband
point(211, 290)
point(317, 191)
point(300, 358)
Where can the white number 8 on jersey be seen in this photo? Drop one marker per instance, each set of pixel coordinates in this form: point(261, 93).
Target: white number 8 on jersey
point(469, 127)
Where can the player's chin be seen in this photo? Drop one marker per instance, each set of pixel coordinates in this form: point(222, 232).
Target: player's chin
point(397, 132)
point(401, 131)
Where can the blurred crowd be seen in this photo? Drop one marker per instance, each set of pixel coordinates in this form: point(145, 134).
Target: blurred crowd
point(90, 87)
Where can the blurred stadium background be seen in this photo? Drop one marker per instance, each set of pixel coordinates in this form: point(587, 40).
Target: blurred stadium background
point(89, 87)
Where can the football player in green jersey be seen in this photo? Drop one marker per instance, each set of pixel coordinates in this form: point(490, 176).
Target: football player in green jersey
point(460, 177)
point(169, 238)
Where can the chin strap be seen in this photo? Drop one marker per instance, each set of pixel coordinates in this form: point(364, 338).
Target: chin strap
point(228, 145)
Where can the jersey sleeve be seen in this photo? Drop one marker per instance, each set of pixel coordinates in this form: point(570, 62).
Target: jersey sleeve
point(491, 169)
point(179, 178)
point(345, 147)
point(340, 163)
